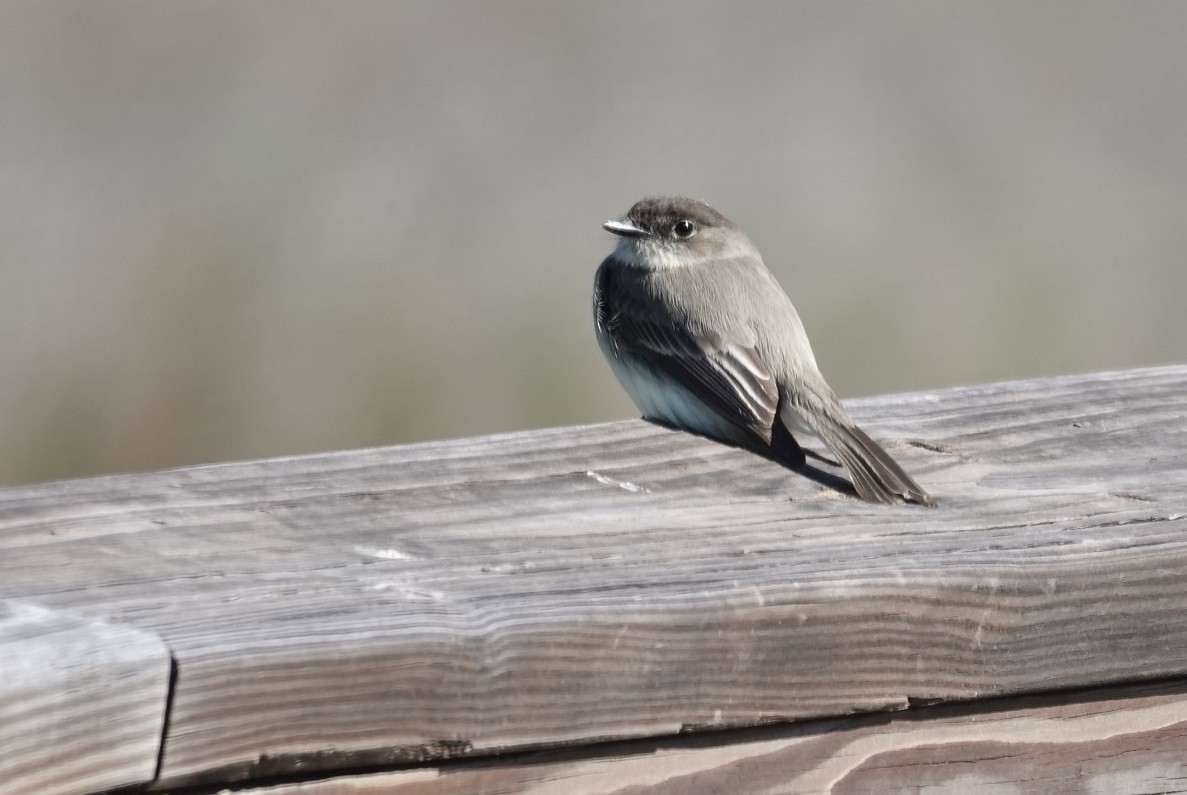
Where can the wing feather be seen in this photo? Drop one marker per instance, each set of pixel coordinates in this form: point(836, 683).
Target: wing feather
point(728, 377)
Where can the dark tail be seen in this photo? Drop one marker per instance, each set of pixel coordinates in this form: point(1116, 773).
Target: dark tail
point(876, 476)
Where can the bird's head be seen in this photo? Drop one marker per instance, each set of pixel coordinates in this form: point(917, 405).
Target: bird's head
point(671, 232)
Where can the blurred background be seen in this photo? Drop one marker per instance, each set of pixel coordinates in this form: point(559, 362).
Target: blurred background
point(233, 230)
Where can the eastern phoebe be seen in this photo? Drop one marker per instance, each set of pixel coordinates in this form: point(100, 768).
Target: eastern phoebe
point(703, 338)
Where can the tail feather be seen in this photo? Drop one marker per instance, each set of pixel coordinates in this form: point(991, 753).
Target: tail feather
point(876, 476)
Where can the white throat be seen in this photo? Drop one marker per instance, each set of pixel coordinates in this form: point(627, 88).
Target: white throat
point(647, 254)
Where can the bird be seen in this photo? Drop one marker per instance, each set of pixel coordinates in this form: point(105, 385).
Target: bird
point(704, 339)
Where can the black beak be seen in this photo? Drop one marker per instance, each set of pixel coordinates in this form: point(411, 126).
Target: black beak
point(624, 227)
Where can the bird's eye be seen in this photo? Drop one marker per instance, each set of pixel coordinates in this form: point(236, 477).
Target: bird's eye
point(684, 229)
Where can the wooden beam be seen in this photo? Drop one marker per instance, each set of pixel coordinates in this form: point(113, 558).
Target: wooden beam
point(623, 580)
point(1122, 740)
point(82, 703)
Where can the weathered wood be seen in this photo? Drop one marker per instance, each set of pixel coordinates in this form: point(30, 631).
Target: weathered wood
point(625, 580)
point(82, 703)
point(1129, 740)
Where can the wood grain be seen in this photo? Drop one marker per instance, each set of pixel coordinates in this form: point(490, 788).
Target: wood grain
point(429, 601)
point(82, 703)
point(1129, 739)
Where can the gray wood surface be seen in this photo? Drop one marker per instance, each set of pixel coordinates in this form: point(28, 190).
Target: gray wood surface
point(82, 703)
point(1127, 741)
point(623, 580)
